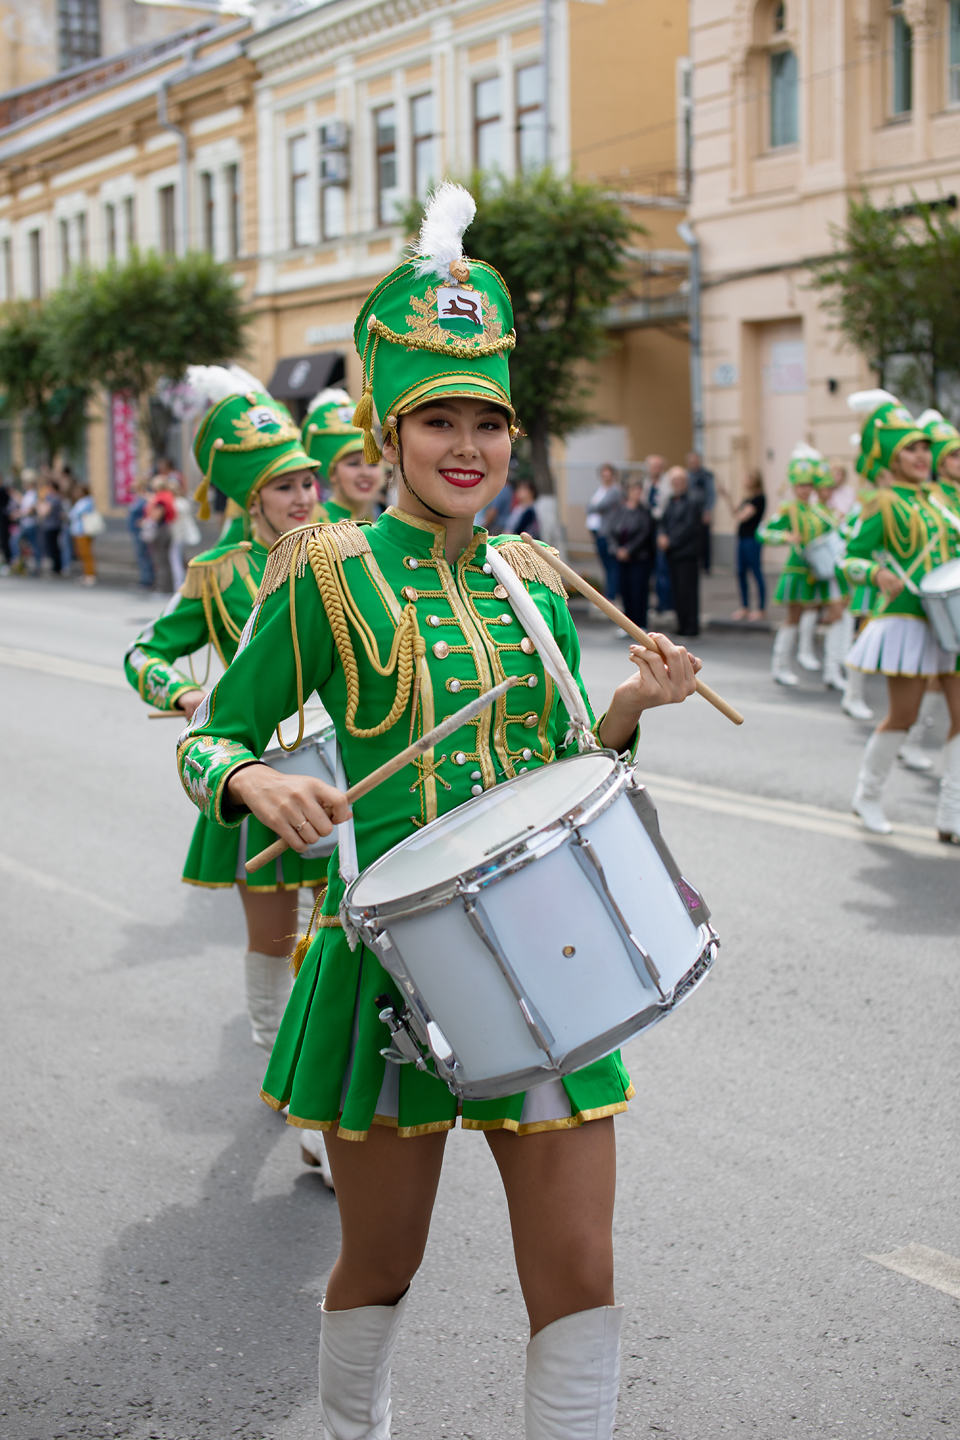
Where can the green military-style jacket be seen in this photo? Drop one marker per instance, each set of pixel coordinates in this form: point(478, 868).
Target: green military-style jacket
point(899, 525)
point(355, 609)
point(808, 519)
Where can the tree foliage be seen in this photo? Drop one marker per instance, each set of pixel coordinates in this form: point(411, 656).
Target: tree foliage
point(51, 396)
point(560, 245)
point(130, 325)
point(893, 288)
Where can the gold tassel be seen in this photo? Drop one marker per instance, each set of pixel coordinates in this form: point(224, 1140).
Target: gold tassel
point(371, 450)
point(306, 940)
point(527, 564)
point(202, 493)
point(363, 415)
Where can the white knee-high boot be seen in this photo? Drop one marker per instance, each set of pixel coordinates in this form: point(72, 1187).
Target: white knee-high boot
point(911, 752)
point(783, 643)
point(806, 654)
point(853, 702)
point(269, 982)
point(835, 647)
point(356, 1349)
point(875, 767)
point(573, 1375)
point(948, 803)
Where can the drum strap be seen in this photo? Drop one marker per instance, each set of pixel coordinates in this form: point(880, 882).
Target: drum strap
point(547, 648)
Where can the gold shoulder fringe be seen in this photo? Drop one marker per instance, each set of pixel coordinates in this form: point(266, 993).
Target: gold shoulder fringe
point(346, 535)
point(220, 568)
point(524, 560)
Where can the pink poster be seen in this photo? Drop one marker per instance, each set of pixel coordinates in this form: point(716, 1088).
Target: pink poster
point(124, 446)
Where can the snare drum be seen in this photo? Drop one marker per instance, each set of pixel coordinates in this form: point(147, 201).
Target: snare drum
point(823, 553)
point(534, 929)
point(316, 755)
point(940, 596)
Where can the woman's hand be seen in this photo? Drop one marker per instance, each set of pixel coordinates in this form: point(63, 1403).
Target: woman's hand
point(189, 701)
point(664, 677)
point(889, 583)
point(663, 542)
point(297, 808)
point(623, 554)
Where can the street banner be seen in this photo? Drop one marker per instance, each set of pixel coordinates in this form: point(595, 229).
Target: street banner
point(124, 446)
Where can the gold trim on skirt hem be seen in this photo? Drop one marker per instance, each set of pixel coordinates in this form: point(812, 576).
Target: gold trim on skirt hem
point(271, 1101)
point(208, 884)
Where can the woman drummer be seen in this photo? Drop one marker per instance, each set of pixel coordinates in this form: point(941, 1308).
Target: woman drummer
point(798, 521)
point(331, 438)
point(912, 537)
point(249, 447)
point(396, 624)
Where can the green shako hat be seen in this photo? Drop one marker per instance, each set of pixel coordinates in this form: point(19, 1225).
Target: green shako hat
point(244, 440)
point(805, 465)
point(440, 324)
point(889, 426)
point(328, 431)
point(943, 437)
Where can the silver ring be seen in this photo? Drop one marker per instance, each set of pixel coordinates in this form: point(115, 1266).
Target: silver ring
point(299, 827)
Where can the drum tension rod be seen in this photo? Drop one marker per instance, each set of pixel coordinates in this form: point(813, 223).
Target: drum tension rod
point(404, 1050)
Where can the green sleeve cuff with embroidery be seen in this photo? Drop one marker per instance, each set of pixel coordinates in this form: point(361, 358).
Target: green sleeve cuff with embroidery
point(157, 681)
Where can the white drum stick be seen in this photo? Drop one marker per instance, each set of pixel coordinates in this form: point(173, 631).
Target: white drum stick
point(390, 767)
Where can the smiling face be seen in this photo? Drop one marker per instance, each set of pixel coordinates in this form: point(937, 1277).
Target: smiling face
point(354, 482)
point(284, 503)
point(912, 463)
point(456, 453)
point(803, 493)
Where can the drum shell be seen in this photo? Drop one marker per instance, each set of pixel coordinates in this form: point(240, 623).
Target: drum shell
point(823, 553)
point(586, 1003)
point(316, 756)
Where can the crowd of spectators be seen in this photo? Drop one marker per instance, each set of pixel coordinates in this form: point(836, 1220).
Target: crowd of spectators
point(48, 520)
point(653, 532)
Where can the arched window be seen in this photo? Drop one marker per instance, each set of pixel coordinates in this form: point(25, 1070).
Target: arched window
point(784, 99)
point(901, 60)
point(779, 19)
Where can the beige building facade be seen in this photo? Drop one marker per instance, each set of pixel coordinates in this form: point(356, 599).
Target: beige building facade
point(798, 106)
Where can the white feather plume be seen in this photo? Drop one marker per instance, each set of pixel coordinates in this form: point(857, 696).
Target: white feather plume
point(803, 451)
point(855, 440)
point(930, 417)
point(206, 385)
point(449, 211)
point(866, 401)
point(332, 395)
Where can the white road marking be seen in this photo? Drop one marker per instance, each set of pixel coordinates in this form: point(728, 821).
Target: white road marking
point(930, 1267)
point(914, 839)
point(59, 665)
point(19, 871)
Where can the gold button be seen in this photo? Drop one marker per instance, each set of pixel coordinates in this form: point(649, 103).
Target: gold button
point(441, 649)
point(530, 721)
point(454, 686)
point(569, 950)
point(408, 592)
point(500, 591)
point(527, 645)
point(433, 620)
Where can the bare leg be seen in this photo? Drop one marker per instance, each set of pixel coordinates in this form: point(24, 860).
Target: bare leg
point(905, 693)
point(386, 1188)
point(560, 1187)
point(271, 920)
point(950, 685)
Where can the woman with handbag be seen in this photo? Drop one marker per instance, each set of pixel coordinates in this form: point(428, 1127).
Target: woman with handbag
point(86, 522)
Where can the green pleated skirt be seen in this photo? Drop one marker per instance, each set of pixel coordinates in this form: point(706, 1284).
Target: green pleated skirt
point(214, 859)
point(327, 1067)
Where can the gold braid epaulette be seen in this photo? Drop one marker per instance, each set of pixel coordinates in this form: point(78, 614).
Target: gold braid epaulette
point(346, 535)
point(219, 568)
point(525, 562)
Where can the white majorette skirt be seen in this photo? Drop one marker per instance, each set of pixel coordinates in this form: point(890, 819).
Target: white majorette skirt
point(900, 645)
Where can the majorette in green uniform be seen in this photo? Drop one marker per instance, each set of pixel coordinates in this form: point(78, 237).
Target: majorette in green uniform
point(245, 441)
point(331, 438)
point(396, 625)
point(860, 604)
point(800, 519)
point(900, 537)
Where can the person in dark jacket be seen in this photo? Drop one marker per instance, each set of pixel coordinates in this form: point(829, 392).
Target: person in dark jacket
point(632, 534)
point(681, 539)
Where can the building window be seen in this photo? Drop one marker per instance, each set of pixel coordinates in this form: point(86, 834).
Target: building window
point(78, 31)
point(6, 259)
point(424, 145)
point(129, 223)
point(334, 138)
point(531, 118)
point(299, 192)
point(80, 225)
point(779, 19)
point(232, 177)
point(64, 248)
point(487, 147)
point(784, 99)
point(901, 50)
point(953, 68)
point(110, 230)
point(167, 197)
point(388, 191)
point(333, 210)
point(208, 215)
point(36, 264)
point(685, 125)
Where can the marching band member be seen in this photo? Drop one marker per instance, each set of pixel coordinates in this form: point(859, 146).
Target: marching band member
point(250, 448)
point(331, 438)
point(396, 624)
point(797, 522)
point(840, 622)
point(861, 603)
point(900, 537)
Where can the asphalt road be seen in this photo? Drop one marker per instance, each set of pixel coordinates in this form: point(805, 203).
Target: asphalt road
point(164, 1253)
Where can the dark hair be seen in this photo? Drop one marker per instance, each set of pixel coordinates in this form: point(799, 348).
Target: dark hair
point(530, 484)
point(754, 481)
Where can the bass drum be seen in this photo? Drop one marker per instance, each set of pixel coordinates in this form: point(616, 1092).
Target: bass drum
point(534, 929)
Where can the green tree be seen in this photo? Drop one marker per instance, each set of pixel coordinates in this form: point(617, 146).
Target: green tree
point(560, 245)
point(131, 325)
point(49, 395)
